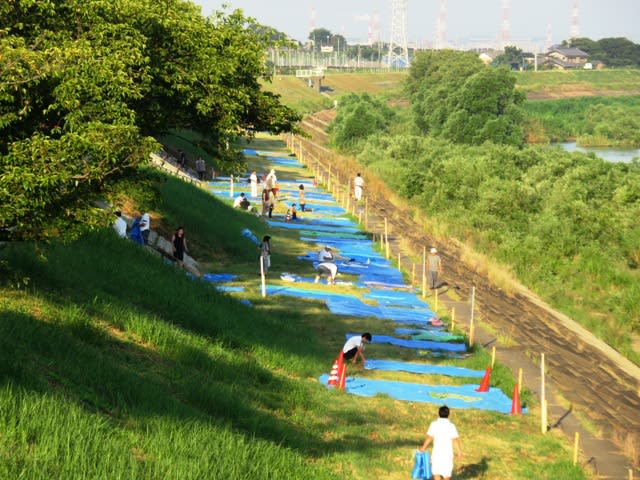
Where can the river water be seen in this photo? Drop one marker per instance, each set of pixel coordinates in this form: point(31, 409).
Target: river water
point(609, 154)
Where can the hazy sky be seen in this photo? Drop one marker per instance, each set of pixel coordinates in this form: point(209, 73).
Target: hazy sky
point(466, 19)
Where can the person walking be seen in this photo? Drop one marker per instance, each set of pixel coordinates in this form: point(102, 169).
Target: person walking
point(435, 268)
point(301, 201)
point(201, 168)
point(358, 185)
point(444, 436)
point(265, 253)
point(253, 179)
point(179, 245)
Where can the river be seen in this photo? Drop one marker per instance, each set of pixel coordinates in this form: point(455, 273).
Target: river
point(609, 154)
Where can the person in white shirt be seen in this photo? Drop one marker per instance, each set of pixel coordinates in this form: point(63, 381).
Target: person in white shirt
point(326, 265)
point(120, 225)
point(253, 179)
point(354, 347)
point(237, 203)
point(444, 436)
point(145, 226)
point(358, 184)
point(326, 254)
point(272, 182)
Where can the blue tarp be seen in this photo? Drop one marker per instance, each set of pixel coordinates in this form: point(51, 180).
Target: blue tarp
point(421, 368)
point(416, 344)
point(219, 277)
point(229, 289)
point(306, 293)
point(454, 396)
point(393, 297)
point(318, 228)
point(356, 308)
point(432, 334)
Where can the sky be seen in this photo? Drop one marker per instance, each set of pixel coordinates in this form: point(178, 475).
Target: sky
point(467, 21)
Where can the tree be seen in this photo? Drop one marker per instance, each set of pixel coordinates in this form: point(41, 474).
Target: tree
point(86, 85)
point(512, 55)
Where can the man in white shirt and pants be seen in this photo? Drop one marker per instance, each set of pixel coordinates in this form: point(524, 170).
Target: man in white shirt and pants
point(358, 184)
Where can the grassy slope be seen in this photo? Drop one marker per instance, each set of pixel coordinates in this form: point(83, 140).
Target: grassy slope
point(114, 364)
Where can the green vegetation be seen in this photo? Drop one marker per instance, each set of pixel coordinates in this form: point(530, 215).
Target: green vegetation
point(566, 223)
point(86, 86)
point(555, 84)
point(612, 121)
point(613, 52)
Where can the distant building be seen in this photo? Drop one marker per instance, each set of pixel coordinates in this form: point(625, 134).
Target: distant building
point(486, 58)
point(567, 58)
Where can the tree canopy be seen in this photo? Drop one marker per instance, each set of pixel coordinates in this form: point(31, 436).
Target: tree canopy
point(613, 52)
point(455, 96)
point(86, 85)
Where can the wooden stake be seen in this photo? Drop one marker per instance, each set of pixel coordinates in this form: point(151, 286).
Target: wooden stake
point(543, 401)
point(576, 443)
point(520, 380)
point(231, 187)
point(366, 213)
point(453, 318)
point(435, 292)
point(360, 218)
point(424, 272)
point(386, 228)
point(263, 278)
point(386, 240)
point(399, 262)
point(493, 356)
point(631, 474)
point(413, 273)
point(471, 326)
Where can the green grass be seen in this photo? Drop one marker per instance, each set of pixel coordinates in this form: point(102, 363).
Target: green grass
point(114, 364)
point(562, 83)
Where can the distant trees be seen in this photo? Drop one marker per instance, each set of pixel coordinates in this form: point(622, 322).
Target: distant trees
point(456, 97)
point(321, 37)
point(86, 85)
point(510, 56)
point(613, 52)
point(359, 116)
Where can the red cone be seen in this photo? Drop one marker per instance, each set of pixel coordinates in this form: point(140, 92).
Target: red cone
point(333, 376)
point(343, 377)
point(516, 408)
point(484, 385)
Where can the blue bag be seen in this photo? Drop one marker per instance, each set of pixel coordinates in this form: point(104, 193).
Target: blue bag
point(421, 466)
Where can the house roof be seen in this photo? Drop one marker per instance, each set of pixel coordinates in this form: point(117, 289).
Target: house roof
point(569, 52)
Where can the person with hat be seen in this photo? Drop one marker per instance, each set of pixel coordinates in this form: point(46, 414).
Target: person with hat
point(326, 265)
point(435, 268)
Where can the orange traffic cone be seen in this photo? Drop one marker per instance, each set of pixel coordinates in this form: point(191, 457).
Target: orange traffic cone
point(343, 376)
point(484, 385)
point(516, 408)
point(333, 376)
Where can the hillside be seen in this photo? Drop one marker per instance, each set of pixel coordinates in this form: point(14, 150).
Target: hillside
point(115, 364)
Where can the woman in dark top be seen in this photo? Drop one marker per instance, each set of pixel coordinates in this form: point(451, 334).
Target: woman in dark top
point(179, 243)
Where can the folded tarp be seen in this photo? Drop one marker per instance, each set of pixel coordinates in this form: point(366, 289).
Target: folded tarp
point(454, 396)
point(416, 344)
point(437, 335)
point(219, 277)
point(421, 368)
point(229, 289)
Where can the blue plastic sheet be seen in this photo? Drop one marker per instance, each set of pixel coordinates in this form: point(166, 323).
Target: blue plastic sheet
point(454, 396)
point(417, 344)
point(393, 297)
point(355, 308)
point(421, 466)
point(431, 334)
point(319, 228)
point(291, 291)
point(229, 289)
point(422, 368)
point(219, 277)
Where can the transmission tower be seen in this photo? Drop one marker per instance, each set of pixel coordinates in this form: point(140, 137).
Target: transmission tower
point(505, 23)
point(313, 18)
point(441, 31)
point(398, 51)
point(575, 30)
point(549, 42)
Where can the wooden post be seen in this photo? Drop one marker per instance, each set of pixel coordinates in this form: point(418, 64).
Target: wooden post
point(435, 292)
point(399, 262)
point(543, 401)
point(360, 218)
point(493, 356)
point(262, 277)
point(413, 273)
point(576, 443)
point(231, 187)
point(424, 272)
point(631, 474)
point(453, 318)
point(386, 241)
point(386, 228)
point(519, 380)
point(471, 326)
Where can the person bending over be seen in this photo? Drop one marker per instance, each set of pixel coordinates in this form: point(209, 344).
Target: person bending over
point(354, 347)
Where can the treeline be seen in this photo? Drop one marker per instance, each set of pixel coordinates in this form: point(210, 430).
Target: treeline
point(87, 85)
point(566, 223)
point(613, 52)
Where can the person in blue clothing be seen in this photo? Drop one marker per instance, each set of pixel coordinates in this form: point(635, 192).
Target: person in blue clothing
point(135, 233)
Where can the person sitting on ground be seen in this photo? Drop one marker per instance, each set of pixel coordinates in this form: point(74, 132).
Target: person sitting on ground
point(120, 225)
point(179, 245)
point(445, 436)
point(354, 347)
point(292, 213)
point(240, 201)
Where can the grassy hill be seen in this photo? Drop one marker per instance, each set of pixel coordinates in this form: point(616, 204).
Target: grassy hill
point(115, 364)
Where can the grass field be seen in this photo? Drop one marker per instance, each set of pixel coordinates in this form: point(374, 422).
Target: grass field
point(537, 85)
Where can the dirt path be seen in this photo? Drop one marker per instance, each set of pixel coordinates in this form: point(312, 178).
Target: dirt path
point(587, 380)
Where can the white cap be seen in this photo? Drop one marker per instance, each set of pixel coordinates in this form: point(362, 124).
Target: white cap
point(433, 250)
